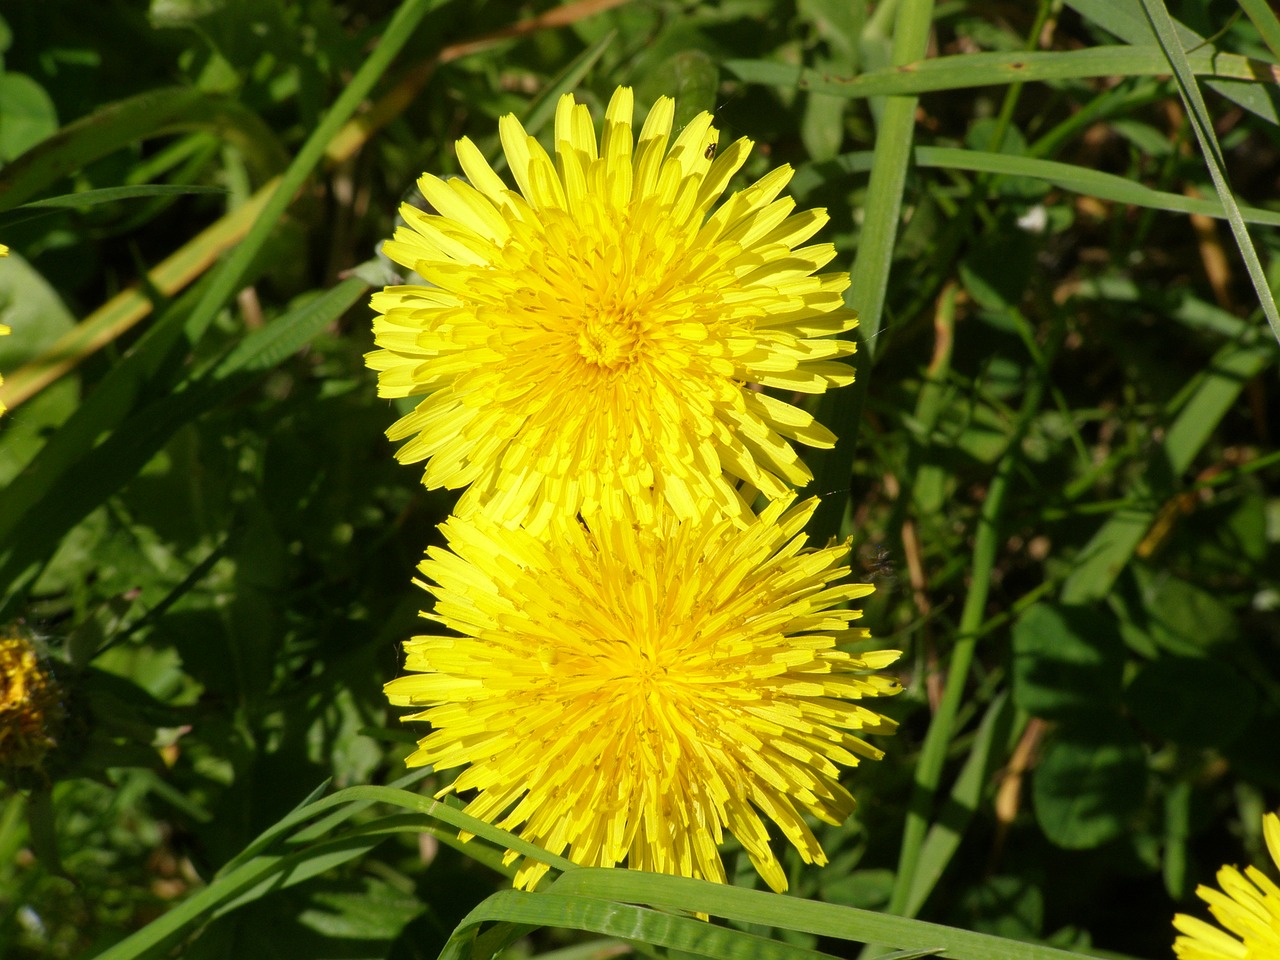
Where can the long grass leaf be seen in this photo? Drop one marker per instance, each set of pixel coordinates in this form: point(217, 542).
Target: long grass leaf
point(792, 913)
point(126, 122)
point(1264, 18)
point(841, 410)
point(94, 198)
point(1202, 124)
point(589, 913)
point(1125, 19)
point(998, 68)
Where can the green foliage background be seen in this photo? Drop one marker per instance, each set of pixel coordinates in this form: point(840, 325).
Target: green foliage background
point(1057, 464)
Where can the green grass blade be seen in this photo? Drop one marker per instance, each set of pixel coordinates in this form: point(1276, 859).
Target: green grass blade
point(1264, 18)
point(841, 410)
point(293, 850)
point(126, 122)
point(1067, 176)
point(1202, 124)
point(93, 198)
point(998, 68)
point(791, 913)
point(943, 838)
point(1125, 19)
point(589, 913)
point(1095, 183)
point(937, 742)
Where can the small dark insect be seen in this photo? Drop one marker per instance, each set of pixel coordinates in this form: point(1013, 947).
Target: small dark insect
point(710, 151)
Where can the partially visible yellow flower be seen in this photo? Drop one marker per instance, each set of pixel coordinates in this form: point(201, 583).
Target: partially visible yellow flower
point(30, 705)
point(589, 341)
point(1247, 908)
point(623, 692)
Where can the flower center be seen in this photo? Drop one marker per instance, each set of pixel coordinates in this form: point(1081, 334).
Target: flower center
point(609, 337)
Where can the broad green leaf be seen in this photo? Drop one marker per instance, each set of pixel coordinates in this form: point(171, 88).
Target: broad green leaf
point(1090, 780)
point(27, 115)
point(1067, 661)
point(1175, 615)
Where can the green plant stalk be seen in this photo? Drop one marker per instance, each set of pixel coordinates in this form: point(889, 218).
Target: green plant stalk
point(1202, 124)
point(841, 411)
point(941, 728)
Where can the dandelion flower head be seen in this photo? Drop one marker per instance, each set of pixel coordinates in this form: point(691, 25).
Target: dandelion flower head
point(30, 705)
point(624, 692)
point(1247, 908)
point(590, 340)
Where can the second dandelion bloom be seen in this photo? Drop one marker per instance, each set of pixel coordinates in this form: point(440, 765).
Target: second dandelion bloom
point(588, 340)
point(630, 693)
point(1247, 907)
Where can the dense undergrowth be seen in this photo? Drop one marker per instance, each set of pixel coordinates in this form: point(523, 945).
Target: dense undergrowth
point(1057, 464)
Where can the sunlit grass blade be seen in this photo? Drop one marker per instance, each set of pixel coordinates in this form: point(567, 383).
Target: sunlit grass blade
point(1125, 19)
point(93, 418)
point(596, 915)
point(1202, 124)
point(944, 836)
point(295, 849)
point(841, 411)
point(1067, 176)
point(793, 913)
point(996, 69)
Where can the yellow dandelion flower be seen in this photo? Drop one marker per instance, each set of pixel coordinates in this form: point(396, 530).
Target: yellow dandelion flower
point(1247, 907)
point(590, 340)
point(623, 692)
point(30, 705)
